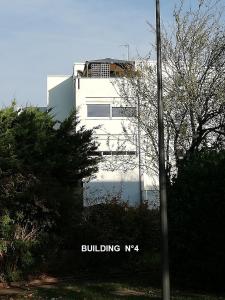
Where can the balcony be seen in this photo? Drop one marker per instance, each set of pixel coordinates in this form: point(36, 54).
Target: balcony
point(107, 68)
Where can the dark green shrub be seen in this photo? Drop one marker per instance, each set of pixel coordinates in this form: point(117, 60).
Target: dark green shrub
point(16, 246)
point(41, 166)
point(197, 220)
point(114, 223)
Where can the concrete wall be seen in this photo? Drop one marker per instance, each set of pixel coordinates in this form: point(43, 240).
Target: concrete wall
point(98, 91)
point(112, 184)
point(117, 175)
point(60, 96)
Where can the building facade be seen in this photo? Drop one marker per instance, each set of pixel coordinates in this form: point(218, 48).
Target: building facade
point(91, 91)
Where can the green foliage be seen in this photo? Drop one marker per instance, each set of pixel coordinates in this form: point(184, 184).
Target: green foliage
point(15, 247)
point(41, 165)
point(113, 223)
point(197, 219)
point(118, 223)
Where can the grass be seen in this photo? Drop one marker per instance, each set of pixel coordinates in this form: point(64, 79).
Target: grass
point(98, 291)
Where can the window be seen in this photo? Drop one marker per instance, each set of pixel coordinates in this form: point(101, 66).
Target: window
point(123, 112)
point(104, 153)
point(131, 152)
point(107, 152)
point(97, 153)
point(98, 110)
point(107, 111)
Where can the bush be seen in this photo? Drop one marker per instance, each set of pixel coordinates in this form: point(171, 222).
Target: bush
point(114, 223)
point(197, 220)
point(41, 166)
point(16, 246)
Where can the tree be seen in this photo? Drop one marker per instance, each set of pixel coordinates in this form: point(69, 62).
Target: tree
point(193, 55)
point(196, 210)
point(41, 166)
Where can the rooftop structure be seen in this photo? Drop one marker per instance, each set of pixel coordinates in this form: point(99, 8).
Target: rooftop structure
point(105, 68)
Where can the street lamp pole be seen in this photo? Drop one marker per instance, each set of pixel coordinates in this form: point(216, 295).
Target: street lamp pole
point(139, 154)
point(162, 171)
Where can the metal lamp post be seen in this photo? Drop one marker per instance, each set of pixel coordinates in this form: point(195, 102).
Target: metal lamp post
point(162, 171)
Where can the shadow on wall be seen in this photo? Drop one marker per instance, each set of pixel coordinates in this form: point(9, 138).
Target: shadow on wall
point(101, 191)
point(61, 99)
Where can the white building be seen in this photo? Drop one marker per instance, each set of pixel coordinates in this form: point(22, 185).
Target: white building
point(90, 90)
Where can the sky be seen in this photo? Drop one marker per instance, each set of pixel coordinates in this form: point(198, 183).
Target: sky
point(45, 37)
